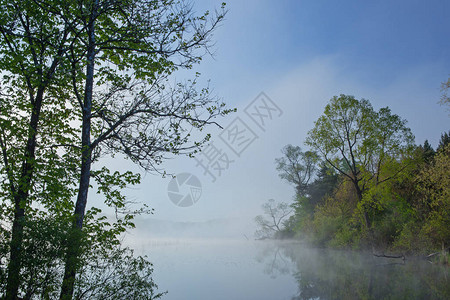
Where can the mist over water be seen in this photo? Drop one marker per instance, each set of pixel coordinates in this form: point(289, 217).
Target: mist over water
point(215, 269)
point(195, 265)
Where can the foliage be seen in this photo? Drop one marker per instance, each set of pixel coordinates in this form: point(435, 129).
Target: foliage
point(428, 152)
point(120, 65)
point(375, 189)
point(107, 269)
point(361, 144)
point(297, 167)
point(357, 141)
point(434, 184)
point(324, 184)
point(116, 274)
point(333, 214)
point(104, 65)
point(33, 167)
point(445, 140)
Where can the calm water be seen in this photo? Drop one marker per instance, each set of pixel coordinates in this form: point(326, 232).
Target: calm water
point(196, 269)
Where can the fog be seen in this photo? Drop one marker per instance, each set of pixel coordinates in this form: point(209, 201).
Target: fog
point(229, 229)
point(193, 268)
point(217, 259)
point(300, 55)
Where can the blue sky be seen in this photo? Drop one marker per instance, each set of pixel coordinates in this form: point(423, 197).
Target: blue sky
point(302, 53)
point(375, 44)
point(380, 37)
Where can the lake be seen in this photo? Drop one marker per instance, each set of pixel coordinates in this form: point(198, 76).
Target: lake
point(226, 269)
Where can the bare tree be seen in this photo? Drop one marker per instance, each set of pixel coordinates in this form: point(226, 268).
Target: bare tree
point(271, 223)
point(445, 98)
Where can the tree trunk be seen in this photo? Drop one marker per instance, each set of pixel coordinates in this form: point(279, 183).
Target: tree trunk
point(360, 196)
point(14, 266)
point(75, 236)
point(20, 201)
point(366, 216)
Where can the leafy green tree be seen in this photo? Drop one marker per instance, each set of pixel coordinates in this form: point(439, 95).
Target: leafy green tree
point(128, 49)
point(434, 183)
point(116, 274)
point(324, 184)
point(31, 60)
point(333, 215)
point(107, 269)
point(444, 141)
point(297, 167)
point(427, 152)
point(112, 60)
point(316, 194)
point(359, 142)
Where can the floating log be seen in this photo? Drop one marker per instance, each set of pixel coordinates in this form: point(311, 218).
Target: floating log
point(390, 256)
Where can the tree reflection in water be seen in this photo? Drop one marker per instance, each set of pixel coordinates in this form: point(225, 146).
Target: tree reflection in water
point(275, 260)
point(333, 274)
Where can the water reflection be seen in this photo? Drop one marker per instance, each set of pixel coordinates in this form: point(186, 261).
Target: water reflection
point(276, 262)
point(327, 274)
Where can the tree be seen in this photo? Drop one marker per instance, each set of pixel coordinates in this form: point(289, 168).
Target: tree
point(324, 185)
point(444, 141)
point(126, 106)
point(297, 167)
point(427, 152)
point(108, 270)
point(116, 274)
point(306, 206)
point(445, 98)
point(112, 60)
point(31, 48)
point(359, 142)
point(434, 183)
point(272, 223)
